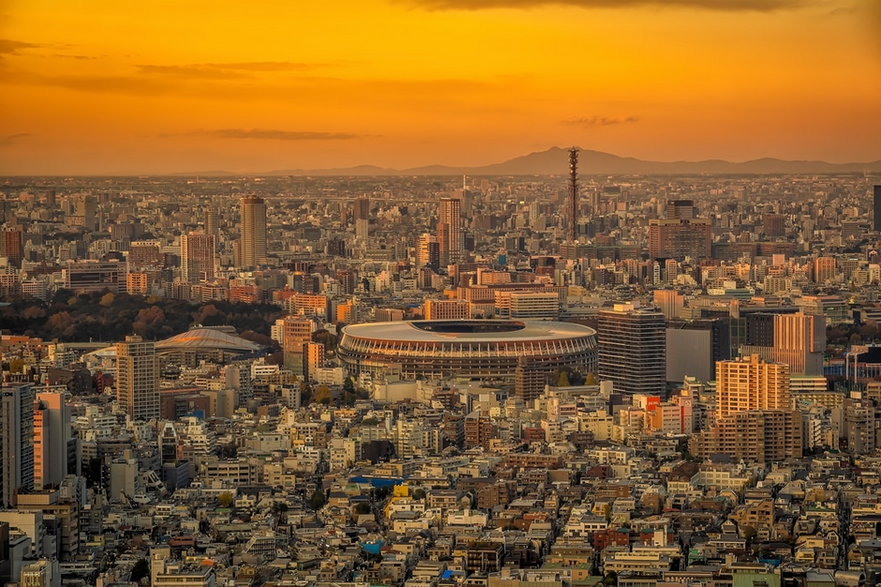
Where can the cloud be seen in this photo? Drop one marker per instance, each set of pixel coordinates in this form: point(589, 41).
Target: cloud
point(718, 5)
point(134, 85)
point(225, 70)
point(13, 138)
point(10, 47)
point(600, 120)
point(269, 134)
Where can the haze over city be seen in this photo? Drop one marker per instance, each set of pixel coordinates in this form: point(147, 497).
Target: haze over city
point(168, 87)
point(440, 293)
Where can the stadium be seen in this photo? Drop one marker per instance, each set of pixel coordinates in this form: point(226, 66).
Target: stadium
point(478, 349)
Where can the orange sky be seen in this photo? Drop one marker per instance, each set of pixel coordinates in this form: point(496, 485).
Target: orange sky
point(92, 86)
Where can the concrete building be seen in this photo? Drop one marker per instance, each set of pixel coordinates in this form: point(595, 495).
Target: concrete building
point(799, 340)
point(632, 349)
point(197, 259)
point(751, 384)
point(252, 244)
point(51, 439)
point(450, 236)
point(137, 378)
point(17, 439)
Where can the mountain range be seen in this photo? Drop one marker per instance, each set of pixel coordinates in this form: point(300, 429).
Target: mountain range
point(554, 161)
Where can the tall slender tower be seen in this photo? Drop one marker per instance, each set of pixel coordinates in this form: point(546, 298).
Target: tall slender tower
point(137, 378)
point(253, 240)
point(573, 193)
point(196, 257)
point(450, 237)
point(17, 439)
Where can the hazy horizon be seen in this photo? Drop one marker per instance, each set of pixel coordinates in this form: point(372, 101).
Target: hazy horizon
point(220, 86)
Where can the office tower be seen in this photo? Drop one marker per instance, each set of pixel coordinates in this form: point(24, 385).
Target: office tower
point(450, 236)
point(51, 201)
point(196, 257)
point(361, 217)
point(825, 269)
point(87, 208)
point(137, 378)
point(252, 245)
point(677, 238)
point(296, 332)
point(876, 208)
point(774, 224)
point(669, 301)
point(427, 252)
point(11, 245)
point(212, 223)
point(750, 383)
point(145, 255)
point(632, 349)
point(679, 209)
point(573, 194)
point(799, 340)
point(17, 440)
point(51, 438)
point(446, 309)
point(88, 276)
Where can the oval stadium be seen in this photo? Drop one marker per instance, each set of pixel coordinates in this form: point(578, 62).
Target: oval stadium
point(479, 349)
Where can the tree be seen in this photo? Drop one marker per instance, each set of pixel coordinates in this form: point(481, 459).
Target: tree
point(563, 379)
point(317, 501)
point(225, 499)
point(591, 379)
point(362, 508)
point(322, 395)
point(140, 570)
point(107, 299)
point(349, 385)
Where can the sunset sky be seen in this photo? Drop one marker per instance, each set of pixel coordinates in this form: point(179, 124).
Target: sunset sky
point(95, 87)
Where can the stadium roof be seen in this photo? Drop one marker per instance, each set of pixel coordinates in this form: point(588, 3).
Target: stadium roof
point(468, 330)
point(207, 338)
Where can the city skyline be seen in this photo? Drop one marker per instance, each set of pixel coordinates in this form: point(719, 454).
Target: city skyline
point(409, 83)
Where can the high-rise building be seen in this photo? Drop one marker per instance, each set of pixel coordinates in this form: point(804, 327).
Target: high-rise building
point(669, 301)
point(314, 355)
point(137, 378)
point(16, 442)
point(252, 245)
point(859, 425)
point(632, 349)
point(196, 257)
point(679, 209)
point(212, 223)
point(825, 269)
point(87, 208)
point(296, 332)
point(876, 208)
point(799, 340)
point(774, 224)
point(450, 236)
point(754, 435)
point(677, 238)
point(51, 438)
point(750, 383)
point(11, 245)
point(361, 217)
point(427, 252)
